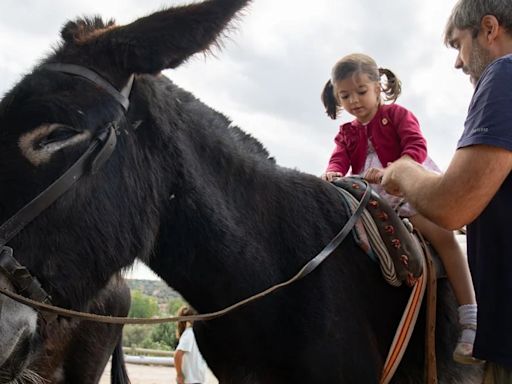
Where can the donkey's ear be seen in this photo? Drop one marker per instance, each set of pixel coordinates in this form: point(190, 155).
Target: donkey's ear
point(83, 29)
point(167, 38)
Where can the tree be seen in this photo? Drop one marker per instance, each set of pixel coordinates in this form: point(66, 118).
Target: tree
point(174, 304)
point(143, 305)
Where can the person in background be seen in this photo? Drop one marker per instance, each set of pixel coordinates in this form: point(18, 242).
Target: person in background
point(190, 365)
point(476, 189)
point(382, 133)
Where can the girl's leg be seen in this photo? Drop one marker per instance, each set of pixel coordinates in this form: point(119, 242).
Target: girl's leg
point(457, 269)
point(454, 260)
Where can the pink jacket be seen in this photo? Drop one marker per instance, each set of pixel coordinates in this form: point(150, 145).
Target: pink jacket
point(394, 131)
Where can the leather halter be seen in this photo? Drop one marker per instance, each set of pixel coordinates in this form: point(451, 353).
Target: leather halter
point(122, 97)
point(91, 161)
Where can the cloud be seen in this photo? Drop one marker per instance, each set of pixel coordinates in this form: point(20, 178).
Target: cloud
point(269, 75)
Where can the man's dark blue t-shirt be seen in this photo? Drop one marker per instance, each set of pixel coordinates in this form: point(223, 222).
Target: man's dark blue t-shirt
point(489, 236)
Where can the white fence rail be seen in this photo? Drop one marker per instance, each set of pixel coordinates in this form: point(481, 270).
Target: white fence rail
point(150, 360)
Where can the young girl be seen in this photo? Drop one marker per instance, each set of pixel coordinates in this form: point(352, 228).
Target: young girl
point(381, 134)
point(190, 365)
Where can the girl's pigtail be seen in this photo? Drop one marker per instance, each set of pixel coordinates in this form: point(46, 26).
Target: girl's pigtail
point(331, 105)
point(393, 86)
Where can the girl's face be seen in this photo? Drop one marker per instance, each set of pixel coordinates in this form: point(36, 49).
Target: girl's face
point(359, 96)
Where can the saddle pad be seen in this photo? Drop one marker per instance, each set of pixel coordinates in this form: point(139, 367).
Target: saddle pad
point(368, 231)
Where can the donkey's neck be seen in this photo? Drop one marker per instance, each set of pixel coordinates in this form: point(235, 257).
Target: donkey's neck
point(213, 240)
point(236, 221)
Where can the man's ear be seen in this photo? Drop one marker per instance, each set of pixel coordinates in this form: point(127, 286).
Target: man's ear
point(490, 27)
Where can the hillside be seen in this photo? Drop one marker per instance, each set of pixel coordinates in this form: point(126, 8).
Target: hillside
point(155, 288)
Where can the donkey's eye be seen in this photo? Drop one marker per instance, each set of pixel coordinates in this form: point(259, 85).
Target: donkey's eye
point(41, 143)
point(59, 133)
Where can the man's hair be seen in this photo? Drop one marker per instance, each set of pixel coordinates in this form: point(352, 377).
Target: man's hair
point(468, 14)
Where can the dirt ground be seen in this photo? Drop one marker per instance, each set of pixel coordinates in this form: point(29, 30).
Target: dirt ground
point(151, 374)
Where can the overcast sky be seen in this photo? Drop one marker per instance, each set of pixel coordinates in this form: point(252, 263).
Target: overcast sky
point(269, 75)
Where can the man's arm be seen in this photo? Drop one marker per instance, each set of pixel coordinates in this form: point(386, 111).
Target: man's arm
point(458, 196)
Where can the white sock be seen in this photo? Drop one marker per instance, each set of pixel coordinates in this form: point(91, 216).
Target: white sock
point(467, 316)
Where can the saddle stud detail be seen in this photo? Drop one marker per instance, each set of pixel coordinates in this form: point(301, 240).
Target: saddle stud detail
point(389, 229)
point(411, 280)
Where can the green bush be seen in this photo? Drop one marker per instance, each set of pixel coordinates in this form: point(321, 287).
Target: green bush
point(158, 336)
point(164, 335)
point(134, 335)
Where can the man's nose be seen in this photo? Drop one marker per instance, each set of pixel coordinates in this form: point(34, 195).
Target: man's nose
point(458, 62)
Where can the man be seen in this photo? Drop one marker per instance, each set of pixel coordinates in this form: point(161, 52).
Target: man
point(477, 187)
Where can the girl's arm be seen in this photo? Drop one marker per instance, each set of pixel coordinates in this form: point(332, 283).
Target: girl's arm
point(412, 141)
point(339, 163)
point(178, 364)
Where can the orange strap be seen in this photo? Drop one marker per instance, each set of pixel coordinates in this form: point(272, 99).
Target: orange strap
point(405, 328)
point(426, 282)
point(430, 331)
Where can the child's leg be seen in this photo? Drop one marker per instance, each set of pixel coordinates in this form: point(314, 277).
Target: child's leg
point(457, 269)
point(454, 260)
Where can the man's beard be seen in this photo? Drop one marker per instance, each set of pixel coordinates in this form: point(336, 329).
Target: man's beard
point(478, 61)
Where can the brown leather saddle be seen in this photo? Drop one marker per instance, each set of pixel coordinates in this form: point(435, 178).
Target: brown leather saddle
point(396, 232)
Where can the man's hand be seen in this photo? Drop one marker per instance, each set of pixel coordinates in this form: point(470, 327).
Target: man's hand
point(389, 178)
point(374, 175)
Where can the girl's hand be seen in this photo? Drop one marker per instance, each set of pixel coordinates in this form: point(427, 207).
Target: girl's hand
point(374, 175)
point(330, 176)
